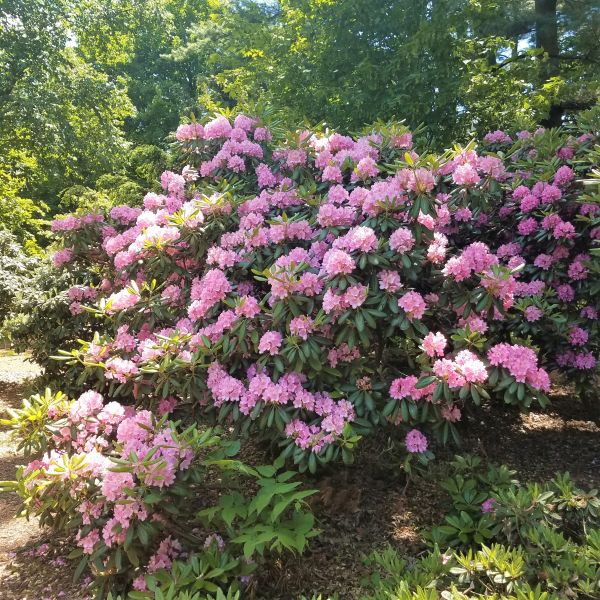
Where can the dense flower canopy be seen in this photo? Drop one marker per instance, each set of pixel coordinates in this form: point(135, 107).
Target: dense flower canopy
point(323, 285)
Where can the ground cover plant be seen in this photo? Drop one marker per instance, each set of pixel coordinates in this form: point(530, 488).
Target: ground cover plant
point(501, 539)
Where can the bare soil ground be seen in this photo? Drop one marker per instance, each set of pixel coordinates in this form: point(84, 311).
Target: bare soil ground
point(359, 508)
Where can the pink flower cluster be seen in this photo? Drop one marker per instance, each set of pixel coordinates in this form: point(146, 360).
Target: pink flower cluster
point(497, 137)
point(90, 437)
point(406, 387)
point(353, 297)
point(211, 289)
point(416, 442)
point(465, 368)
point(287, 390)
point(521, 363)
point(270, 342)
point(475, 258)
point(337, 262)
point(434, 344)
point(72, 223)
point(402, 240)
point(413, 304)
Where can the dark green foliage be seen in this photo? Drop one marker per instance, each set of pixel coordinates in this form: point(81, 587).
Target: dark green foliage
point(44, 323)
point(15, 269)
point(458, 66)
point(534, 541)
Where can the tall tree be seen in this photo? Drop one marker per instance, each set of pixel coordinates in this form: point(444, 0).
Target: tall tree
point(57, 111)
point(460, 66)
point(139, 40)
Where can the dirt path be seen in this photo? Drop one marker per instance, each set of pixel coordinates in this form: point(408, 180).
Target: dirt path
point(32, 563)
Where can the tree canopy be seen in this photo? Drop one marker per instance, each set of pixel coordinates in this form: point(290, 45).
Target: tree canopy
point(84, 83)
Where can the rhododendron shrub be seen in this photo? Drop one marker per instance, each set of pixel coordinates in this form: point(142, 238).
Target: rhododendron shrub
point(138, 492)
point(317, 287)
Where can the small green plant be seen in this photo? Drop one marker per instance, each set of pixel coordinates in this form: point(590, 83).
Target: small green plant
point(471, 488)
point(504, 540)
point(489, 504)
point(551, 569)
point(258, 525)
point(31, 424)
point(173, 593)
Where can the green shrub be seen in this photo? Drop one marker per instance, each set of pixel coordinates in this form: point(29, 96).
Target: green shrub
point(504, 540)
point(15, 269)
point(43, 321)
point(488, 505)
point(31, 425)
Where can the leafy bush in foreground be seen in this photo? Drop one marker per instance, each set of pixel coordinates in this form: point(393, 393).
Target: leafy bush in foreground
point(151, 501)
point(534, 542)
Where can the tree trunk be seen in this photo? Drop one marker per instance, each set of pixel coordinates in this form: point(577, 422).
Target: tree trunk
point(546, 38)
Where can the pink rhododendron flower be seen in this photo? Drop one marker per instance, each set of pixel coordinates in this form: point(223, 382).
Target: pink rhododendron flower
point(62, 257)
point(270, 342)
point(416, 442)
point(366, 168)
point(361, 239)
point(337, 262)
point(521, 363)
point(332, 173)
point(413, 305)
point(422, 181)
point(528, 226)
point(451, 413)
point(533, 313)
point(114, 485)
point(389, 281)
point(402, 240)
point(206, 292)
point(578, 336)
point(565, 292)
point(217, 128)
point(301, 326)
point(497, 137)
point(248, 307)
point(434, 344)
point(466, 175)
point(563, 176)
point(426, 220)
point(342, 354)
point(89, 541)
point(122, 300)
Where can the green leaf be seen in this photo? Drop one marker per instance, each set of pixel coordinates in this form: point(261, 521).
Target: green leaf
point(80, 568)
point(425, 381)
